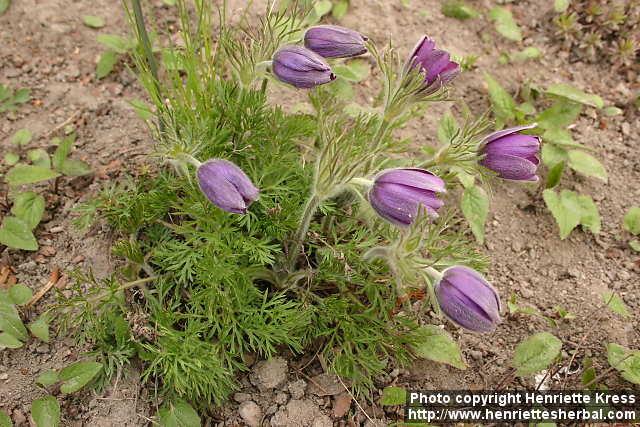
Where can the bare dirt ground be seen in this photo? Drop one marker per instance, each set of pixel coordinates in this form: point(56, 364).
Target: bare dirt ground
point(44, 46)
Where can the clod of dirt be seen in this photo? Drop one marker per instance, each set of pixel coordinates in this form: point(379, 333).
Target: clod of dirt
point(251, 413)
point(241, 397)
point(325, 385)
point(297, 389)
point(341, 405)
point(269, 374)
point(300, 413)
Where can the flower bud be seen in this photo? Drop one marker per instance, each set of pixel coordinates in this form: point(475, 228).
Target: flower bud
point(226, 185)
point(397, 194)
point(511, 154)
point(301, 67)
point(468, 300)
point(332, 41)
point(435, 63)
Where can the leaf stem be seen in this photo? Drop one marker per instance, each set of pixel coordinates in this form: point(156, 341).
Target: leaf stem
point(305, 221)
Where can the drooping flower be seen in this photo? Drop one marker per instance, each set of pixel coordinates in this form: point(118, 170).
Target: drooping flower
point(226, 185)
point(332, 41)
point(300, 67)
point(435, 63)
point(511, 154)
point(398, 194)
point(468, 299)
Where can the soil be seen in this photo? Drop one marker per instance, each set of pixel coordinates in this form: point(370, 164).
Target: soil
point(46, 47)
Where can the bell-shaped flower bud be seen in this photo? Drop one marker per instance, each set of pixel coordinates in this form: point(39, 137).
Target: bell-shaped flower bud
point(398, 194)
point(301, 67)
point(435, 63)
point(468, 300)
point(332, 41)
point(511, 154)
point(226, 185)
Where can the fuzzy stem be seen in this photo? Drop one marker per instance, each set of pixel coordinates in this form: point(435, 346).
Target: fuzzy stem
point(433, 273)
point(305, 221)
point(189, 159)
point(127, 285)
point(362, 181)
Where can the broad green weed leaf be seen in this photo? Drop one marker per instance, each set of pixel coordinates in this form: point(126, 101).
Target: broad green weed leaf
point(62, 151)
point(475, 207)
point(612, 111)
point(526, 54)
point(73, 167)
point(555, 175)
point(575, 94)
point(552, 154)
point(340, 8)
point(17, 234)
point(116, 43)
point(21, 137)
point(77, 375)
point(178, 414)
point(10, 321)
point(322, 7)
point(561, 137)
point(447, 128)
point(586, 164)
point(21, 96)
point(27, 174)
point(105, 65)
point(11, 159)
point(560, 5)
point(4, 5)
point(589, 216)
point(635, 245)
point(458, 9)
point(29, 207)
point(142, 109)
point(92, 21)
point(566, 214)
point(505, 24)
point(438, 346)
point(392, 396)
point(503, 103)
point(536, 353)
point(625, 361)
point(560, 115)
point(46, 412)
point(5, 421)
point(20, 294)
point(9, 341)
point(39, 157)
point(631, 220)
point(354, 71)
point(40, 328)
point(615, 304)
point(47, 378)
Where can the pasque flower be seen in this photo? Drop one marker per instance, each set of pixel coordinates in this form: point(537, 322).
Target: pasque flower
point(468, 299)
point(435, 63)
point(226, 185)
point(301, 67)
point(332, 41)
point(397, 194)
point(511, 154)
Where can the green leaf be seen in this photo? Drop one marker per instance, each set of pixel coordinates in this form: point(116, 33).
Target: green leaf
point(46, 412)
point(73, 167)
point(503, 103)
point(169, 2)
point(612, 111)
point(392, 396)
point(447, 128)
point(355, 71)
point(340, 8)
point(116, 43)
point(458, 9)
point(574, 94)
point(29, 207)
point(11, 159)
point(505, 24)
point(5, 421)
point(20, 294)
point(39, 157)
point(552, 155)
point(142, 109)
point(566, 214)
point(560, 115)
point(625, 361)
point(105, 65)
point(536, 353)
point(40, 328)
point(631, 221)
point(475, 207)
point(4, 5)
point(526, 54)
point(555, 175)
point(438, 346)
point(10, 321)
point(178, 414)
point(560, 5)
point(27, 174)
point(9, 341)
point(561, 137)
point(341, 89)
point(62, 151)
point(586, 164)
point(322, 7)
point(589, 217)
point(92, 21)
point(47, 378)
point(635, 245)
point(17, 234)
point(21, 137)
point(615, 304)
point(77, 375)
point(21, 96)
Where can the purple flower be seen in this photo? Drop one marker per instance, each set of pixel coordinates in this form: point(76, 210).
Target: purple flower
point(435, 63)
point(301, 67)
point(226, 185)
point(332, 41)
point(397, 194)
point(468, 299)
point(511, 154)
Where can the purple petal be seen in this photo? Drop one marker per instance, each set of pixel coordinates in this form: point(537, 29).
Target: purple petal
point(498, 134)
point(300, 59)
point(511, 167)
point(450, 72)
point(461, 310)
point(399, 203)
point(413, 177)
point(424, 46)
point(332, 41)
point(515, 144)
point(226, 185)
point(476, 287)
point(434, 63)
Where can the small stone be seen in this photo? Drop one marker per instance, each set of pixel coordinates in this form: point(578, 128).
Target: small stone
point(325, 385)
point(42, 349)
point(269, 374)
point(475, 354)
point(18, 417)
point(341, 405)
point(297, 389)
point(4, 376)
point(56, 229)
point(625, 128)
point(48, 251)
point(241, 397)
point(322, 421)
point(281, 398)
point(250, 413)
point(272, 409)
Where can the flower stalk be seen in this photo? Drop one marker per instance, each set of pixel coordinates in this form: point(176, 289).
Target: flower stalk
point(303, 227)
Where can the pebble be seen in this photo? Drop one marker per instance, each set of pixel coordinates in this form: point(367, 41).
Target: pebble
point(250, 413)
point(241, 397)
point(281, 398)
point(625, 128)
point(269, 374)
point(4, 376)
point(297, 389)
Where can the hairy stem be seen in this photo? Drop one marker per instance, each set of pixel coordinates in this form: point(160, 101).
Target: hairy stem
point(309, 210)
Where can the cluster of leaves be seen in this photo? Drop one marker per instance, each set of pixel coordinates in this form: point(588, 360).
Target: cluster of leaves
point(600, 29)
point(632, 225)
point(560, 151)
point(10, 99)
point(28, 207)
